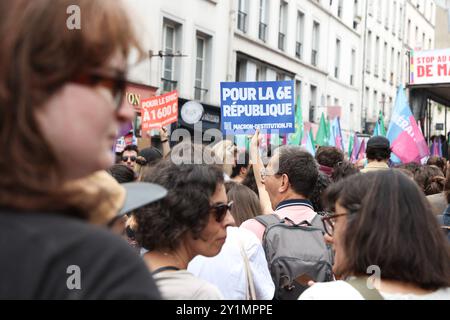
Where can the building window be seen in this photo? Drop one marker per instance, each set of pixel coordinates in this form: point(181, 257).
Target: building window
point(387, 14)
point(262, 30)
point(394, 18)
point(408, 33)
point(242, 16)
point(416, 37)
point(315, 44)
point(352, 70)
point(356, 15)
point(340, 8)
point(201, 67)
point(375, 103)
point(379, 11)
point(241, 70)
point(337, 58)
point(170, 31)
point(282, 25)
point(370, 9)
point(383, 102)
point(312, 104)
point(391, 74)
point(385, 61)
point(300, 35)
point(377, 55)
point(369, 51)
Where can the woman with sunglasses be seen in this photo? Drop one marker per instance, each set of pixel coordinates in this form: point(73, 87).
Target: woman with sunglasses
point(192, 220)
point(387, 241)
point(61, 92)
point(242, 263)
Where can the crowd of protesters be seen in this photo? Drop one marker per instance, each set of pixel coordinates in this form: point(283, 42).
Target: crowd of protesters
point(159, 225)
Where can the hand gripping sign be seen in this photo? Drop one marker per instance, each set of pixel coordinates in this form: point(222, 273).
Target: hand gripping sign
point(267, 106)
point(158, 112)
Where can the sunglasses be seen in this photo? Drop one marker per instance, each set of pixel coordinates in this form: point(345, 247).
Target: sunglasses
point(113, 80)
point(220, 210)
point(132, 158)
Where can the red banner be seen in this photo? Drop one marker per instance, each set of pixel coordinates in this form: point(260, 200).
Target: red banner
point(161, 111)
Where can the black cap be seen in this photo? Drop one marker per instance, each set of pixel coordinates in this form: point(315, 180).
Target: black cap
point(378, 142)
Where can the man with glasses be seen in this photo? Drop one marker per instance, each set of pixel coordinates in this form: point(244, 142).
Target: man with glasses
point(289, 179)
point(292, 237)
point(129, 156)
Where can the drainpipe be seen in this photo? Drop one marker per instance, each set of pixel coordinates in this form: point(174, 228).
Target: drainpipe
point(363, 103)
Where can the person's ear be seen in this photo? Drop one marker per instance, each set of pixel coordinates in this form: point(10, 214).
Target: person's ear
point(284, 183)
point(243, 171)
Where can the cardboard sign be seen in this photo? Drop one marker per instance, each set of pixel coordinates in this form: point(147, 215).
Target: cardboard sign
point(158, 112)
point(268, 106)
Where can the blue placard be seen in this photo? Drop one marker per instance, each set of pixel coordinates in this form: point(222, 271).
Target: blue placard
point(247, 106)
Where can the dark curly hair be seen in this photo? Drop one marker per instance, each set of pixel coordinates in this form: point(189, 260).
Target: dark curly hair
point(439, 162)
point(430, 179)
point(322, 184)
point(329, 156)
point(121, 173)
point(185, 209)
point(342, 170)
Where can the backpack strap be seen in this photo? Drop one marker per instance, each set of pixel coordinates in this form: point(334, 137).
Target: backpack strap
point(268, 220)
point(360, 285)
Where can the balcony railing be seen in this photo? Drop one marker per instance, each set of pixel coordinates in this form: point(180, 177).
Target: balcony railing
point(242, 21)
point(281, 37)
point(299, 50)
point(262, 34)
point(168, 85)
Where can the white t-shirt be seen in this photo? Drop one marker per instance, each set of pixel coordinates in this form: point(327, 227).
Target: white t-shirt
point(341, 290)
point(227, 270)
point(183, 285)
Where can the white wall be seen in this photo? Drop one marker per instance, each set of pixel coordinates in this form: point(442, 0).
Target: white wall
point(205, 16)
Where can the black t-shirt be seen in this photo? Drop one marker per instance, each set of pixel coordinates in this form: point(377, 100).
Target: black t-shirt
point(51, 256)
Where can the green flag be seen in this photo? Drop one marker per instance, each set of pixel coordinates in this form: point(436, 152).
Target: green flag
point(296, 138)
point(276, 140)
point(242, 142)
point(381, 127)
point(350, 146)
point(321, 137)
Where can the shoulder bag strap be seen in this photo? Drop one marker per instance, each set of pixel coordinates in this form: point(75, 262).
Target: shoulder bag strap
point(167, 268)
point(360, 284)
point(250, 291)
